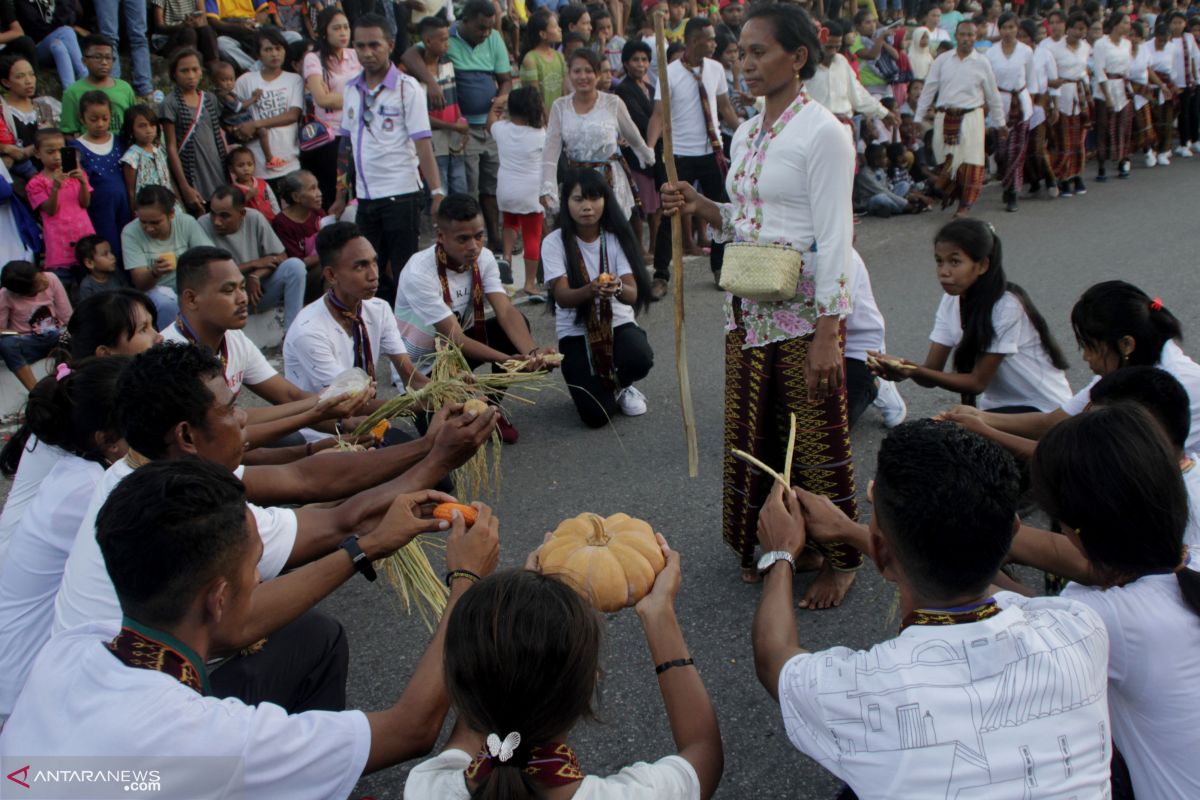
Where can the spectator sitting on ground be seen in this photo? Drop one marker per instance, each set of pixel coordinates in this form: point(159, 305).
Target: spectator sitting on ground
point(152, 244)
point(272, 278)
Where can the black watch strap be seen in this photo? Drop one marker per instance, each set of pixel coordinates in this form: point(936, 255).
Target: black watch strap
point(358, 557)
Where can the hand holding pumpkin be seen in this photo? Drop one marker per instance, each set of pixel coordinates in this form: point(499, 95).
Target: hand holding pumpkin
point(613, 561)
point(666, 585)
point(477, 548)
point(404, 520)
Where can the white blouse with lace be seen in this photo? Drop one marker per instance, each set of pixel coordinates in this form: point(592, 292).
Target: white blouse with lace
point(791, 186)
point(592, 137)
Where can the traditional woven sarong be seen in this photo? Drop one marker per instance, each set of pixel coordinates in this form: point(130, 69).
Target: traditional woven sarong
point(1011, 157)
point(1143, 137)
point(762, 386)
point(1069, 153)
point(1038, 166)
point(1164, 124)
point(1112, 132)
point(958, 145)
point(607, 167)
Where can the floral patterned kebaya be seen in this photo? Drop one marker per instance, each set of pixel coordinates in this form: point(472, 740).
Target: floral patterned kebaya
point(792, 195)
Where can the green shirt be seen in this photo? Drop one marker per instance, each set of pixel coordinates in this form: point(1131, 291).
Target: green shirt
point(120, 97)
point(548, 73)
point(476, 70)
point(139, 250)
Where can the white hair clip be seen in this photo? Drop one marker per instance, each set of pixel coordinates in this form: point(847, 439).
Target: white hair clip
point(503, 750)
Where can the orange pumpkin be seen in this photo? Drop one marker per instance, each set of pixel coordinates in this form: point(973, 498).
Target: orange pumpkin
point(446, 511)
point(612, 561)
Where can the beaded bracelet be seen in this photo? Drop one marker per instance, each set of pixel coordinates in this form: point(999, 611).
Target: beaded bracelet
point(461, 573)
point(678, 662)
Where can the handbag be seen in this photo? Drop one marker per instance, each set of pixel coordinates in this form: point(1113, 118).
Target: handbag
point(761, 272)
point(313, 133)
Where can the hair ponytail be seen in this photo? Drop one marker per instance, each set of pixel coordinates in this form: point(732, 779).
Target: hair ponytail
point(508, 782)
point(1111, 310)
point(1189, 587)
point(69, 411)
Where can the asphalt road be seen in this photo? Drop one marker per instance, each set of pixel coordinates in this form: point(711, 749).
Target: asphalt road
point(1143, 230)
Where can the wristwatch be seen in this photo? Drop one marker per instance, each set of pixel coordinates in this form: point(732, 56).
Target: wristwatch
point(769, 559)
point(358, 558)
point(438, 192)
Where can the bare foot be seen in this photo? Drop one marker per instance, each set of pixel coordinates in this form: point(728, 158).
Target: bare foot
point(810, 560)
point(828, 588)
point(750, 575)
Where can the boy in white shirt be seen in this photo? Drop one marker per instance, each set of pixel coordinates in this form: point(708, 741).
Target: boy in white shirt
point(442, 292)
point(1009, 694)
point(185, 574)
point(277, 109)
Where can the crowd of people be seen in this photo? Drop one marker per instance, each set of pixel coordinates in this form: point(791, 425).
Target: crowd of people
point(164, 546)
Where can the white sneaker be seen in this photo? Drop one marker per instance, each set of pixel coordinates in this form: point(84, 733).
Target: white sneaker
point(1196, 147)
point(890, 404)
point(1183, 152)
point(1151, 159)
point(1164, 159)
point(631, 402)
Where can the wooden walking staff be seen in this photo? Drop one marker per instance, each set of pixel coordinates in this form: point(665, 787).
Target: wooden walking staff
point(685, 384)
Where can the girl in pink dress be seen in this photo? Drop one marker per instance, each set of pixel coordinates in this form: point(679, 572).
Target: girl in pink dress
point(61, 198)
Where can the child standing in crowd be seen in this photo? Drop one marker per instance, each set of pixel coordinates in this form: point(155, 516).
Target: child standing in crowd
point(235, 112)
point(449, 126)
point(61, 198)
point(98, 56)
point(191, 121)
point(677, 19)
point(1004, 353)
point(520, 140)
point(96, 256)
point(598, 280)
point(542, 66)
point(608, 45)
point(100, 157)
point(33, 310)
point(277, 110)
point(145, 162)
point(240, 166)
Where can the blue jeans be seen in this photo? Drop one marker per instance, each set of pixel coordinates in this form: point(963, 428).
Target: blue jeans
point(61, 48)
point(453, 169)
point(27, 348)
point(166, 305)
point(884, 205)
point(285, 285)
point(232, 50)
point(107, 13)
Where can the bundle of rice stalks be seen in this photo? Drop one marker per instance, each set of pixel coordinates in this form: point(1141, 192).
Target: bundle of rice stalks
point(450, 381)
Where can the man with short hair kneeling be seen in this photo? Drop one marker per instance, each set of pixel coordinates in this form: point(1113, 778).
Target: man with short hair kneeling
point(978, 696)
point(181, 549)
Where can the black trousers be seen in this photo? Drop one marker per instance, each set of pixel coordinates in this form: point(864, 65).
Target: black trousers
point(392, 225)
point(322, 163)
point(861, 390)
point(302, 667)
point(632, 359)
point(712, 185)
point(1189, 116)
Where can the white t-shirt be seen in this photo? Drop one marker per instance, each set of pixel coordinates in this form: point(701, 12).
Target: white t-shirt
point(317, 348)
point(421, 304)
point(81, 701)
point(30, 579)
point(1025, 376)
point(1172, 359)
point(670, 778)
point(520, 178)
point(37, 459)
point(278, 96)
point(689, 131)
point(245, 362)
point(383, 135)
point(1153, 672)
point(1191, 480)
point(987, 710)
point(554, 263)
point(87, 593)
point(864, 325)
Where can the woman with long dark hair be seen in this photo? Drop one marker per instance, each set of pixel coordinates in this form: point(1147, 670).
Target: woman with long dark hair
point(73, 410)
point(790, 184)
point(1012, 63)
point(1116, 325)
point(120, 322)
point(587, 125)
point(598, 282)
point(1113, 482)
point(542, 66)
point(326, 71)
point(1004, 354)
point(522, 668)
point(1111, 57)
